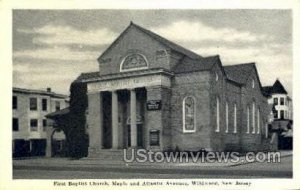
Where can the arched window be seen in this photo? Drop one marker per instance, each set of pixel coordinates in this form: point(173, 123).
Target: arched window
point(234, 119)
point(189, 114)
point(227, 122)
point(134, 61)
point(258, 121)
point(253, 117)
point(248, 120)
point(217, 114)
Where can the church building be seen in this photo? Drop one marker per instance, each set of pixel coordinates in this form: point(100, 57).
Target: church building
point(154, 94)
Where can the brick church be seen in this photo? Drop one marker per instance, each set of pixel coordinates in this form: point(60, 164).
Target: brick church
point(152, 93)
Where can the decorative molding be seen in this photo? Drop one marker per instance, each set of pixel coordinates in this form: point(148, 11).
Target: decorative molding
point(129, 83)
point(134, 61)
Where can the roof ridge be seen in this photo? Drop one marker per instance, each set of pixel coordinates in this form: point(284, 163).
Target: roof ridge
point(240, 64)
point(152, 34)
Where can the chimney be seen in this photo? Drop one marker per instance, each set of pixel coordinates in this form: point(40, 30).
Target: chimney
point(48, 89)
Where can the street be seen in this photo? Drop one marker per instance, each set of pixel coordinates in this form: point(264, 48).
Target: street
point(250, 170)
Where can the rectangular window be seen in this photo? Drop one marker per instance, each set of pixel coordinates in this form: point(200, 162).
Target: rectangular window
point(15, 102)
point(15, 124)
point(154, 138)
point(44, 124)
point(44, 104)
point(33, 103)
point(33, 125)
point(275, 101)
point(57, 105)
point(281, 114)
point(281, 101)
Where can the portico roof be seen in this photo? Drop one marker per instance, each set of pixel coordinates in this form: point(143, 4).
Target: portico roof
point(95, 76)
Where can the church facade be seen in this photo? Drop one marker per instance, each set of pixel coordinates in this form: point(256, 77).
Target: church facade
point(154, 94)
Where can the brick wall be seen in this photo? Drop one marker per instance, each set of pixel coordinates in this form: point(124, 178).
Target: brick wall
point(194, 84)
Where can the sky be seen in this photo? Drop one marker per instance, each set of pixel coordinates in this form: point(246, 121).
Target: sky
point(52, 47)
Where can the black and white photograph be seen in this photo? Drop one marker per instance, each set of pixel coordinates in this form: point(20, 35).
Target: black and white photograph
point(152, 97)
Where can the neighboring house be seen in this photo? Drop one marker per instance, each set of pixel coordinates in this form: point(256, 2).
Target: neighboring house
point(152, 93)
point(29, 121)
point(280, 100)
point(281, 115)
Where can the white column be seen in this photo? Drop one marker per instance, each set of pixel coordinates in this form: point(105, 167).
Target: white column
point(115, 118)
point(133, 126)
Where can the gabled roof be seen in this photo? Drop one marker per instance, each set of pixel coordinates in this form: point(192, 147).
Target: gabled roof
point(190, 65)
point(278, 88)
point(239, 73)
point(164, 41)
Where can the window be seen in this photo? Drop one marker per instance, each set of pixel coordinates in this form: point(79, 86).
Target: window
point(218, 115)
point(15, 124)
point(57, 105)
point(189, 112)
point(258, 121)
point(226, 112)
point(44, 124)
point(275, 101)
point(33, 125)
point(281, 101)
point(281, 114)
point(44, 104)
point(154, 138)
point(253, 117)
point(33, 103)
point(253, 83)
point(234, 119)
point(134, 61)
point(15, 102)
point(248, 119)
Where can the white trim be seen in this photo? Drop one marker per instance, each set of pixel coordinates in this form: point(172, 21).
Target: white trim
point(253, 117)
point(134, 69)
point(183, 115)
point(267, 130)
point(227, 117)
point(217, 114)
point(234, 119)
point(248, 120)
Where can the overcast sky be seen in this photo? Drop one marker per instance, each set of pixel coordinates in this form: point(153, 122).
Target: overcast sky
point(52, 47)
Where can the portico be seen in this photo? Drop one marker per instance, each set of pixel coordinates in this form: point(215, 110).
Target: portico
point(118, 117)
